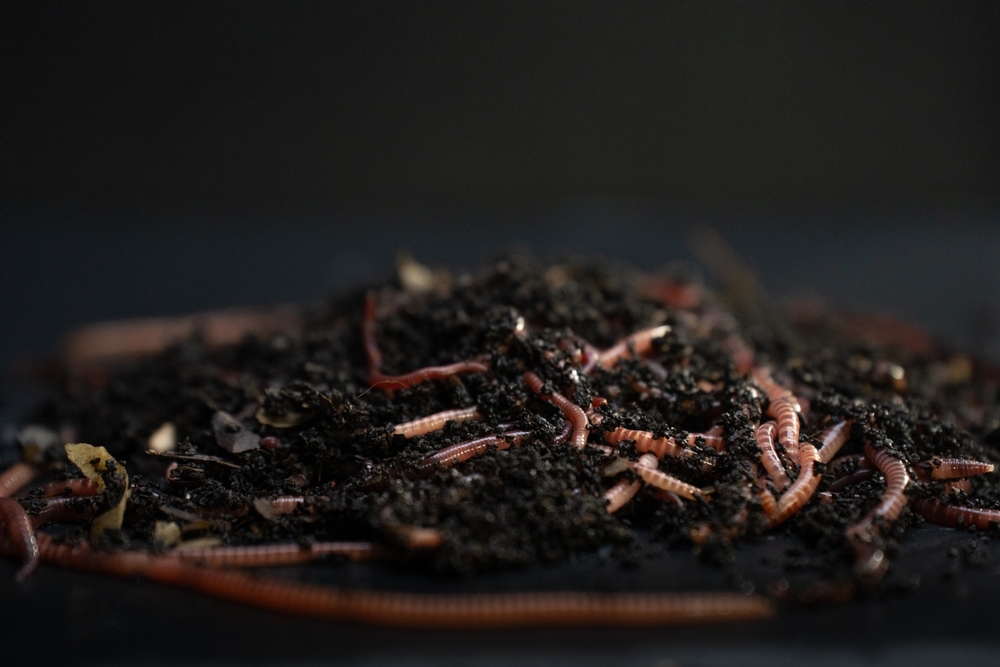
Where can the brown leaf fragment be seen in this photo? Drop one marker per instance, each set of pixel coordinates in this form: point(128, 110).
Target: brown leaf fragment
point(231, 435)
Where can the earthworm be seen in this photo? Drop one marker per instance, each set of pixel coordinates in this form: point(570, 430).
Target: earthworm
point(665, 482)
point(19, 526)
point(783, 407)
point(802, 489)
point(850, 479)
point(463, 451)
point(625, 489)
point(955, 515)
point(894, 498)
point(854, 461)
point(77, 487)
point(270, 555)
point(833, 440)
point(769, 457)
point(673, 293)
point(564, 434)
point(713, 437)
point(22, 534)
point(15, 478)
point(591, 355)
point(571, 411)
point(870, 560)
point(96, 344)
point(435, 422)
point(946, 468)
point(64, 509)
point(634, 345)
point(412, 610)
point(647, 441)
point(392, 382)
point(286, 504)
point(768, 503)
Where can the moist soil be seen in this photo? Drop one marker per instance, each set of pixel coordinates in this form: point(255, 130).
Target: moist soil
point(295, 414)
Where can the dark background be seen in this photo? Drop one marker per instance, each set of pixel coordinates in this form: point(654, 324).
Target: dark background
point(157, 159)
point(317, 109)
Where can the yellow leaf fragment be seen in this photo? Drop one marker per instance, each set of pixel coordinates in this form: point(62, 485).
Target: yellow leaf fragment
point(164, 439)
point(167, 532)
point(286, 420)
point(109, 476)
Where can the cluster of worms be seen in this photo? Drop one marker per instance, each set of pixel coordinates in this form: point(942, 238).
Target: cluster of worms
point(525, 415)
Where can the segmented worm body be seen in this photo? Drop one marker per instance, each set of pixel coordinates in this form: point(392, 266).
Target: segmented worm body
point(833, 439)
point(950, 468)
point(712, 438)
point(647, 441)
point(769, 457)
point(287, 504)
point(665, 482)
point(22, 533)
point(955, 516)
point(411, 610)
point(894, 498)
point(435, 422)
point(378, 379)
point(15, 478)
point(463, 451)
point(80, 486)
point(802, 489)
point(393, 382)
point(850, 479)
point(635, 345)
point(571, 411)
point(870, 559)
point(270, 555)
point(783, 407)
point(625, 489)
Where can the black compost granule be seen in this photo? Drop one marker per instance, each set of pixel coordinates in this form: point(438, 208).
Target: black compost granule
point(314, 426)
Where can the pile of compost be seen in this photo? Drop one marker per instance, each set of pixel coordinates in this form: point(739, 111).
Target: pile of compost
point(314, 435)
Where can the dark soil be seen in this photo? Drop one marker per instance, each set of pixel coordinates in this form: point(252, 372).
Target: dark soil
point(301, 406)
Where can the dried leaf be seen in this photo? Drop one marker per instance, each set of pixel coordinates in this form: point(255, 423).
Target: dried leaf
point(109, 476)
point(286, 420)
point(167, 532)
point(264, 507)
point(163, 439)
point(231, 435)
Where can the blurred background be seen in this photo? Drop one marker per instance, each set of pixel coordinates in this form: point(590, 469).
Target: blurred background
point(162, 158)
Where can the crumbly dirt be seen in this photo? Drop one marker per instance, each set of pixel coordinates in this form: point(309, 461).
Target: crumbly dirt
point(324, 433)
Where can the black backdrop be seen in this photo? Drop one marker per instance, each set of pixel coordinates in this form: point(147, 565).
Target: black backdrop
point(156, 159)
point(316, 107)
